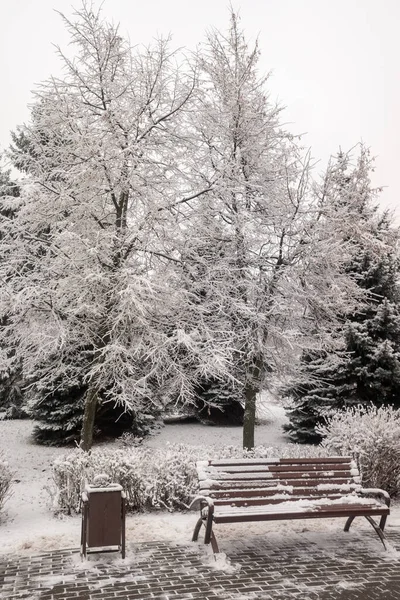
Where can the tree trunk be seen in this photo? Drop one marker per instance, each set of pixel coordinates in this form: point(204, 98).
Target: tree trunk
point(91, 400)
point(249, 417)
point(251, 389)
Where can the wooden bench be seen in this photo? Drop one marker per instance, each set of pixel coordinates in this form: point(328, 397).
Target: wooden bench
point(242, 490)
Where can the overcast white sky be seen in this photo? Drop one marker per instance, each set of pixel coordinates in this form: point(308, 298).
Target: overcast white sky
point(335, 63)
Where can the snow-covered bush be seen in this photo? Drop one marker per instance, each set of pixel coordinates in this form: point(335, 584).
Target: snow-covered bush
point(372, 436)
point(151, 478)
point(5, 480)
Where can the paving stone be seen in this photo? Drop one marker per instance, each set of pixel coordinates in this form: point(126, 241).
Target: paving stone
point(345, 567)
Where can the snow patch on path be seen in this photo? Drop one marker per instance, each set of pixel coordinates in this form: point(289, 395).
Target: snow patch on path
point(221, 562)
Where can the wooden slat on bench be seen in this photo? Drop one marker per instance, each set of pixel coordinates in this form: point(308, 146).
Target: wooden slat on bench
point(266, 494)
point(245, 502)
point(307, 468)
point(283, 461)
point(323, 512)
point(267, 475)
point(264, 484)
point(307, 461)
point(280, 468)
point(308, 505)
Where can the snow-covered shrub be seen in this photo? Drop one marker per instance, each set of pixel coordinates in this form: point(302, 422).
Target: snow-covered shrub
point(5, 480)
point(151, 478)
point(372, 436)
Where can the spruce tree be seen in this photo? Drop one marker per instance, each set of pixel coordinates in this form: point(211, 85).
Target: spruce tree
point(11, 379)
point(205, 261)
point(57, 406)
point(368, 369)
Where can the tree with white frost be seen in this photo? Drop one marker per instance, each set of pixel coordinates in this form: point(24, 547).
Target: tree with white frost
point(368, 373)
point(134, 166)
point(96, 222)
point(280, 260)
point(11, 401)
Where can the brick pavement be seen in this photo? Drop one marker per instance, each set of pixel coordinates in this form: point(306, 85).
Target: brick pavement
point(307, 566)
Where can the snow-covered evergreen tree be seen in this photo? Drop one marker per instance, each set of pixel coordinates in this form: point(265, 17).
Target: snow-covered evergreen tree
point(207, 272)
point(369, 370)
point(11, 378)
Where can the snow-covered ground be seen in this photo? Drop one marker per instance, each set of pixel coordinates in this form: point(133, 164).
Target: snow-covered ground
point(28, 526)
point(268, 433)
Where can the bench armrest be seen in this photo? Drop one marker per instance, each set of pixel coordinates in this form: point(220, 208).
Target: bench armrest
point(376, 492)
point(84, 497)
point(205, 499)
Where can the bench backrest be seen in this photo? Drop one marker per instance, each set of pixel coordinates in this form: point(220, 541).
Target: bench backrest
point(270, 481)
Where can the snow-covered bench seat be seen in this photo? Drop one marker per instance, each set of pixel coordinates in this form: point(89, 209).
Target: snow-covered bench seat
point(242, 490)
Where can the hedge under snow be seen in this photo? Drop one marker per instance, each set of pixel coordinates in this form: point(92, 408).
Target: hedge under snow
point(372, 436)
point(151, 478)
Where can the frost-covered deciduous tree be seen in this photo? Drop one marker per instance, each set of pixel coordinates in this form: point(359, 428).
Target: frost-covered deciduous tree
point(368, 372)
point(280, 259)
point(168, 232)
point(96, 225)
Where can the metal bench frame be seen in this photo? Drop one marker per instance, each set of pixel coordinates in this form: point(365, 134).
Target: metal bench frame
point(227, 483)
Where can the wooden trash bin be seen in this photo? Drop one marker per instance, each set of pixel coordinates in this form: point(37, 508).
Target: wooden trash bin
point(103, 520)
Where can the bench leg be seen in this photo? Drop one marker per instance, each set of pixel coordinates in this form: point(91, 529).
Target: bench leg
point(382, 523)
point(195, 535)
point(211, 537)
point(208, 526)
point(348, 523)
point(214, 544)
point(378, 530)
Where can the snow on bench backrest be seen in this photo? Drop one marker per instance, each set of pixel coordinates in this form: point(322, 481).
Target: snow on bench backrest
point(273, 481)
